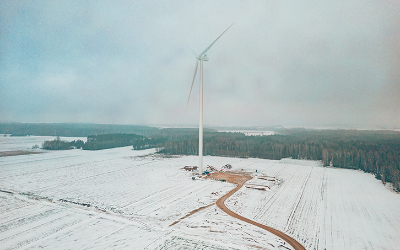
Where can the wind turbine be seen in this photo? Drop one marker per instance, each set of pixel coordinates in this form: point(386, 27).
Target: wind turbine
point(201, 57)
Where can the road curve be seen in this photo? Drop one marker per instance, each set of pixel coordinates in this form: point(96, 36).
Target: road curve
point(221, 204)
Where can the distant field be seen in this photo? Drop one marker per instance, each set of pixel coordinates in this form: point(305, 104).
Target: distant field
point(250, 132)
point(122, 198)
point(25, 143)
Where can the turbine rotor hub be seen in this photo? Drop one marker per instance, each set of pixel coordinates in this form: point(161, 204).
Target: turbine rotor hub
point(204, 58)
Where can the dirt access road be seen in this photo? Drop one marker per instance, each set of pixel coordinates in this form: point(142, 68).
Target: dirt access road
point(17, 152)
point(239, 180)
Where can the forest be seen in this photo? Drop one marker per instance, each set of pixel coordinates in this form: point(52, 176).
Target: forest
point(376, 152)
point(372, 151)
point(98, 142)
point(71, 129)
point(57, 144)
point(138, 142)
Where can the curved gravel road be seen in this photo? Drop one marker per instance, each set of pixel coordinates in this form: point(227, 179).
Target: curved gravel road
point(221, 204)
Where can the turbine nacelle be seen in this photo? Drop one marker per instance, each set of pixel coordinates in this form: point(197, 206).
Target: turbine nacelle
point(203, 58)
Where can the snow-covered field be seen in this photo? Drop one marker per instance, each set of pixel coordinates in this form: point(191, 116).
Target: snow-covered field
point(250, 132)
point(122, 198)
point(323, 208)
point(10, 143)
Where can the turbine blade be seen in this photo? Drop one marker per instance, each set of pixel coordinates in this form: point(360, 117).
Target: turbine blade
point(205, 51)
point(192, 51)
point(191, 87)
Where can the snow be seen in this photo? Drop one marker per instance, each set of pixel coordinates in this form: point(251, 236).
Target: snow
point(121, 198)
point(323, 208)
point(41, 224)
point(9, 143)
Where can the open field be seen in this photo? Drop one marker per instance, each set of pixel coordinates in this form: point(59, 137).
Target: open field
point(24, 143)
point(323, 208)
point(17, 152)
point(121, 198)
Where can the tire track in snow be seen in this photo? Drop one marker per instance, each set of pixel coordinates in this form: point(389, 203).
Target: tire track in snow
point(221, 204)
point(292, 214)
point(263, 209)
point(91, 176)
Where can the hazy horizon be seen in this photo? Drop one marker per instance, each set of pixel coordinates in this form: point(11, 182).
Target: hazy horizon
point(227, 128)
point(293, 64)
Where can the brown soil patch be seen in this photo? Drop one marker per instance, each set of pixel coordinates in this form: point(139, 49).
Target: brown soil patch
point(17, 152)
point(191, 213)
point(231, 177)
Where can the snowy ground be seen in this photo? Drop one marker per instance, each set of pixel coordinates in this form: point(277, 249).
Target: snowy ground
point(9, 143)
point(121, 198)
point(323, 208)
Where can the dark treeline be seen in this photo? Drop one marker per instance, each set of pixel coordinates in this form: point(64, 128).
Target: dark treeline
point(96, 142)
point(155, 138)
point(57, 144)
point(71, 129)
point(179, 134)
point(376, 152)
point(104, 141)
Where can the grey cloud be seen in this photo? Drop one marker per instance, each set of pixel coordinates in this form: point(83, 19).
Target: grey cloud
point(307, 63)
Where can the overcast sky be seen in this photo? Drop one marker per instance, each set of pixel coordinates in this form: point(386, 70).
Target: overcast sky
point(291, 63)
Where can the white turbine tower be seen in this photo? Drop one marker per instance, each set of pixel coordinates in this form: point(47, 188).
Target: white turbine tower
point(201, 57)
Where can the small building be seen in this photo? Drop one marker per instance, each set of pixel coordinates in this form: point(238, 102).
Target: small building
point(190, 168)
point(264, 188)
point(227, 166)
point(268, 178)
